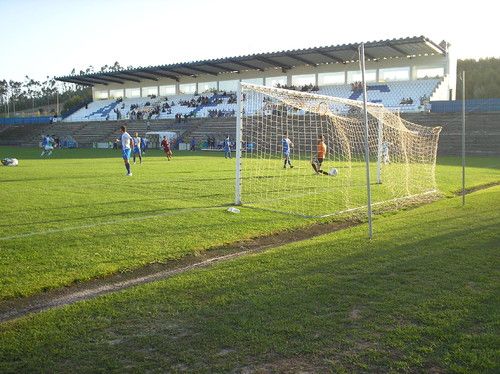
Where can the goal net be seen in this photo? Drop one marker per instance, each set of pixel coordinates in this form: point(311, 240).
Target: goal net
point(284, 165)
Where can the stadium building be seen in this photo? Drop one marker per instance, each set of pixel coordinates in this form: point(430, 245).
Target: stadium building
point(402, 74)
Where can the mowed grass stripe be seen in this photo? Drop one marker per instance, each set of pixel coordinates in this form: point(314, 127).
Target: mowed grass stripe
point(77, 196)
point(423, 295)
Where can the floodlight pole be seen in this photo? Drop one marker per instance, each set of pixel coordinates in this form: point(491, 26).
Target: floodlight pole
point(239, 113)
point(463, 138)
point(367, 147)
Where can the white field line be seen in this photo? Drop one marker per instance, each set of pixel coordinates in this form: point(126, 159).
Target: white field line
point(117, 221)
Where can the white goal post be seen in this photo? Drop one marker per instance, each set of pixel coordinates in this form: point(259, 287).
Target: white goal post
point(280, 165)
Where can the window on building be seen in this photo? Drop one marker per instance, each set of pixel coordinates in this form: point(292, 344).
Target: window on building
point(187, 88)
point(325, 79)
point(394, 74)
point(303, 80)
point(101, 95)
point(259, 81)
point(228, 85)
point(430, 73)
point(167, 90)
point(355, 76)
point(207, 87)
point(132, 92)
point(274, 81)
point(148, 91)
point(115, 94)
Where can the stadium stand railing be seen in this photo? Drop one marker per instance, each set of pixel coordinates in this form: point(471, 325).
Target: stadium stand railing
point(26, 120)
point(471, 106)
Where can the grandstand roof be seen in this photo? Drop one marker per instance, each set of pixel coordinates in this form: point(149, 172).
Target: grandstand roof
point(286, 60)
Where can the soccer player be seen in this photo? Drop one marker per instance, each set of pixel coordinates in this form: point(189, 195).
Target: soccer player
point(137, 147)
point(127, 144)
point(320, 156)
point(227, 148)
point(166, 148)
point(47, 146)
point(385, 153)
point(287, 145)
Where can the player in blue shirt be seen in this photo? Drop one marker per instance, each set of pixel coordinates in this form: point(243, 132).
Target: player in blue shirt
point(287, 145)
point(47, 145)
point(227, 148)
point(137, 147)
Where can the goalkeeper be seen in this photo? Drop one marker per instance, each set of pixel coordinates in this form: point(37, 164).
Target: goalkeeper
point(320, 156)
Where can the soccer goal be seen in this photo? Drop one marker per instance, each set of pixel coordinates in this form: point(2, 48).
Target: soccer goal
point(303, 153)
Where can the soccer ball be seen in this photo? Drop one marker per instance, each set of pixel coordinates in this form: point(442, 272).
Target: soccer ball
point(333, 172)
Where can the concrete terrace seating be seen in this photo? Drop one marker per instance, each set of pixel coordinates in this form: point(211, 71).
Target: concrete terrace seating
point(390, 94)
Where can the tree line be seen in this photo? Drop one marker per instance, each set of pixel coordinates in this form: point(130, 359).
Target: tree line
point(33, 95)
point(482, 80)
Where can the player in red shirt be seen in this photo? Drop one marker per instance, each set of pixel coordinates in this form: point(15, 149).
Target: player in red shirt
point(166, 148)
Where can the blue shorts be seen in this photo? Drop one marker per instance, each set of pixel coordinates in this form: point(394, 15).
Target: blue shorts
point(126, 154)
point(137, 150)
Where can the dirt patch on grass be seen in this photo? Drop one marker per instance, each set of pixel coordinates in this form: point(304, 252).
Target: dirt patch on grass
point(15, 308)
point(478, 188)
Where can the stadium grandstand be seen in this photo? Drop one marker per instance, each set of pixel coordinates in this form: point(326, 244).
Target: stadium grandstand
point(402, 74)
point(413, 76)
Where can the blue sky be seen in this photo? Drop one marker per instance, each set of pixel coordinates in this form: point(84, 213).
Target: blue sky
point(51, 37)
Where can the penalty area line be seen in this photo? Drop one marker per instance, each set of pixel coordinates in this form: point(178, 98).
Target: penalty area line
point(92, 225)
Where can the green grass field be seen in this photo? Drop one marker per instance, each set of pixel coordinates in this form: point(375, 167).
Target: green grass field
point(422, 296)
point(76, 216)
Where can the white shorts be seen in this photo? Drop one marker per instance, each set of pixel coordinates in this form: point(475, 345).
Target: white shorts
point(48, 148)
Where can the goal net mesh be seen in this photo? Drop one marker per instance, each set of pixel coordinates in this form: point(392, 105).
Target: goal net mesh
point(402, 154)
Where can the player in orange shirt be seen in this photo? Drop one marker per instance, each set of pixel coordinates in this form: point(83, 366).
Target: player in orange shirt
point(320, 156)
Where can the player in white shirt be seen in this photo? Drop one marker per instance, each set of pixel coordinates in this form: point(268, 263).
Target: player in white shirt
point(385, 153)
point(127, 144)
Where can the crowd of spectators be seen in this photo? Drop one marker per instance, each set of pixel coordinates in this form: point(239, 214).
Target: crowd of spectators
point(406, 101)
point(357, 86)
point(306, 88)
point(216, 113)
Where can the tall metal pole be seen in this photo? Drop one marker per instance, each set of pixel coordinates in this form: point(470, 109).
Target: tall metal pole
point(239, 113)
point(463, 138)
point(367, 147)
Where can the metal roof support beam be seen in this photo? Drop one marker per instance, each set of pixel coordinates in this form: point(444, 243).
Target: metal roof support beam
point(107, 79)
point(176, 72)
point(301, 59)
point(273, 63)
point(339, 60)
point(173, 77)
point(79, 82)
point(95, 81)
point(244, 64)
point(140, 76)
point(354, 48)
point(219, 67)
point(129, 79)
point(390, 45)
point(198, 70)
